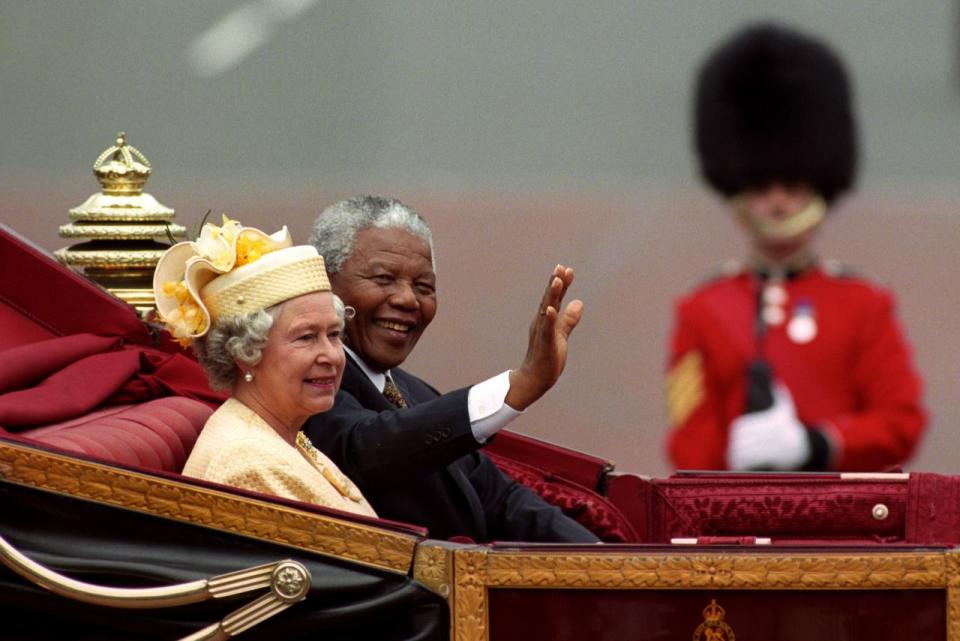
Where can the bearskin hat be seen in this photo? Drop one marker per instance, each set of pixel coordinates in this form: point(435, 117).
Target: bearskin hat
point(774, 105)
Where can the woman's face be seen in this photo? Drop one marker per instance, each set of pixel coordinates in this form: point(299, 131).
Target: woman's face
point(302, 362)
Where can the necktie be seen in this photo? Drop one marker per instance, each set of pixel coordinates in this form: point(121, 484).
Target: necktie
point(392, 392)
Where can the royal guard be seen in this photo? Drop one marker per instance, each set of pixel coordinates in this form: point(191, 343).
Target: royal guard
point(785, 362)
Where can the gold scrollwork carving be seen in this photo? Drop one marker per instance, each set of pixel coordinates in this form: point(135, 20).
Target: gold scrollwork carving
point(470, 595)
point(953, 595)
point(953, 613)
point(758, 571)
point(478, 570)
point(368, 545)
point(953, 568)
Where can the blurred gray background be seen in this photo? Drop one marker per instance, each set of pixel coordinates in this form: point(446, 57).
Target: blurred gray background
point(527, 133)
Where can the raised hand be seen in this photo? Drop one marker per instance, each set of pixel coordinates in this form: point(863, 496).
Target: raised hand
point(547, 347)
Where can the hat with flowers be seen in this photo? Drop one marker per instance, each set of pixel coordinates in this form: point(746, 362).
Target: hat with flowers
point(230, 270)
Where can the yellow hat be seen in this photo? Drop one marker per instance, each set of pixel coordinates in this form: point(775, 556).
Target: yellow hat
point(231, 270)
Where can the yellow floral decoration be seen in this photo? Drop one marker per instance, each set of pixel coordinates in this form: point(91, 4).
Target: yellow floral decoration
point(226, 247)
point(186, 319)
point(251, 248)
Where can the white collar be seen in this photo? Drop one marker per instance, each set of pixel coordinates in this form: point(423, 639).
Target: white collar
point(379, 379)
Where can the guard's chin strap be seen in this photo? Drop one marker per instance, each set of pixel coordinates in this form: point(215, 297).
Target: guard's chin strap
point(784, 227)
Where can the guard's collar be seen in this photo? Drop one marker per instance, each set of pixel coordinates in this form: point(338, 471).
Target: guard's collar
point(793, 266)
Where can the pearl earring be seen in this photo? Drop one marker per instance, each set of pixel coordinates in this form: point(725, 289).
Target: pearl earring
point(248, 376)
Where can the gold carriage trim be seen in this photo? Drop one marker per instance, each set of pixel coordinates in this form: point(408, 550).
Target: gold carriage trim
point(477, 570)
point(288, 582)
point(259, 519)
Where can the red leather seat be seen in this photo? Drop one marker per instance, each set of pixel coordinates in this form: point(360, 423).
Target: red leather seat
point(156, 435)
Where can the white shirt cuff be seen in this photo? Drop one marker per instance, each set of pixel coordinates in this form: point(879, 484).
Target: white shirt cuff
point(487, 407)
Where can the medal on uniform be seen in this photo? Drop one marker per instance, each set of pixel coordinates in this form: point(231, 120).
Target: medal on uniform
point(802, 327)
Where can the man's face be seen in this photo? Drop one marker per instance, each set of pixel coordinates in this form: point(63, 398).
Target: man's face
point(389, 281)
point(781, 219)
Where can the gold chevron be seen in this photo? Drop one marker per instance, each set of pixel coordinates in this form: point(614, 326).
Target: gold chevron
point(685, 387)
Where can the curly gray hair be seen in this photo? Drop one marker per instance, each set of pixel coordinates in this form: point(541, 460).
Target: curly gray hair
point(337, 226)
point(240, 339)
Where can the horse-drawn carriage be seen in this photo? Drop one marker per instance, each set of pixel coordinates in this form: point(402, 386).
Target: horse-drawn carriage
point(103, 538)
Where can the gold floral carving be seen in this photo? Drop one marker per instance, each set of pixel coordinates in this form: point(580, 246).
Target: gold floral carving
point(953, 595)
point(372, 546)
point(433, 566)
point(753, 571)
point(953, 613)
point(470, 596)
point(952, 560)
point(479, 570)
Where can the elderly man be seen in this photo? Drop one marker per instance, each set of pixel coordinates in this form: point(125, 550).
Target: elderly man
point(412, 451)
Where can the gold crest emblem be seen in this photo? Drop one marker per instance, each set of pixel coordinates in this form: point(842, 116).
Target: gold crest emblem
point(713, 628)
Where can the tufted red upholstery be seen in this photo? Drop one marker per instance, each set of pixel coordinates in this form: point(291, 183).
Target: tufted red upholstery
point(786, 508)
point(571, 480)
point(156, 435)
point(589, 508)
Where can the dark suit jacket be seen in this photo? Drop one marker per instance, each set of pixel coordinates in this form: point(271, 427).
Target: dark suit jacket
point(421, 465)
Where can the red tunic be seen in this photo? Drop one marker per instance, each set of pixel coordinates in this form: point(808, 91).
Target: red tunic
point(854, 378)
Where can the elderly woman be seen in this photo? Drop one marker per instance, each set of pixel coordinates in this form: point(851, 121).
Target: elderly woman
point(265, 326)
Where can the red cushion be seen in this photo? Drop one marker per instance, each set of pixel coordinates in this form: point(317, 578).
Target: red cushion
point(156, 435)
point(588, 508)
point(783, 507)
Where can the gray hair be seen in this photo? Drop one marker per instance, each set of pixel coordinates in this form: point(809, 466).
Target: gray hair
point(338, 225)
point(240, 339)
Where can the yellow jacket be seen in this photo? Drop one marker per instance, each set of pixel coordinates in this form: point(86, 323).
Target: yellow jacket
point(236, 447)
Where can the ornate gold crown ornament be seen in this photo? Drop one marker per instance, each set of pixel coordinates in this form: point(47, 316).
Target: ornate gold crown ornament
point(714, 628)
point(126, 230)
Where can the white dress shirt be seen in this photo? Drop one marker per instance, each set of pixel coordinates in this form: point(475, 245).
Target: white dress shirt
point(486, 401)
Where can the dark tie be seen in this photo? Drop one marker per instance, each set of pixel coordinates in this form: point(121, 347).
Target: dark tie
point(392, 392)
